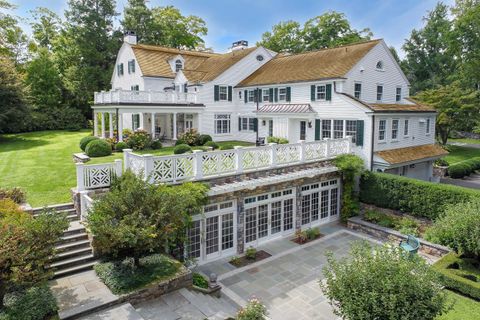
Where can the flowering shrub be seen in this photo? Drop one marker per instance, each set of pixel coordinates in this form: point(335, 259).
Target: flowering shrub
point(254, 310)
point(190, 137)
point(139, 140)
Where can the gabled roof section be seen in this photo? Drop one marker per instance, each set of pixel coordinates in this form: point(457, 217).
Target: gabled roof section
point(408, 154)
point(412, 106)
point(310, 66)
point(198, 67)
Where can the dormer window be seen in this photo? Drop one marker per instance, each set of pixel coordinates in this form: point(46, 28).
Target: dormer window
point(178, 65)
point(379, 65)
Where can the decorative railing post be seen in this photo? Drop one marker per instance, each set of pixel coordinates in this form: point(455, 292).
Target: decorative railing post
point(80, 177)
point(349, 144)
point(327, 148)
point(273, 156)
point(197, 164)
point(302, 151)
point(126, 158)
point(118, 167)
point(148, 167)
point(238, 159)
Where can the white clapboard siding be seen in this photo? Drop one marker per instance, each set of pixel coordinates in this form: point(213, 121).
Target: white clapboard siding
point(127, 80)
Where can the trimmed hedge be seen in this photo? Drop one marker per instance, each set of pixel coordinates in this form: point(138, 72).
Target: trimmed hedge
point(121, 145)
point(156, 144)
point(464, 168)
point(454, 277)
point(98, 148)
point(30, 304)
point(86, 140)
point(204, 138)
point(419, 198)
point(182, 148)
point(212, 144)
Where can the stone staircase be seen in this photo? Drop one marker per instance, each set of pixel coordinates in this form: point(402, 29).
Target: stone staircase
point(213, 308)
point(73, 251)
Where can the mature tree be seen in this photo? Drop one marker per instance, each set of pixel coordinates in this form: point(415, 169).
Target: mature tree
point(46, 26)
point(136, 217)
point(428, 60)
point(26, 245)
point(458, 109)
point(325, 31)
point(286, 36)
point(138, 17)
point(383, 283)
point(13, 106)
point(13, 41)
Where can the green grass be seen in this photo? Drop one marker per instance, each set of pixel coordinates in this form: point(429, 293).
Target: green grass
point(469, 141)
point(41, 163)
point(463, 309)
point(460, 153)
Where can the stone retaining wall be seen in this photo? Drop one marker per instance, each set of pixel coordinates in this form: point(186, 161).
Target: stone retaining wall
point(386, 234)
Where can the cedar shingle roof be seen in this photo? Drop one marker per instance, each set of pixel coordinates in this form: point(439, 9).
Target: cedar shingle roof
point(309, 66)
point(198, 67)
point(401, 155)
point(286, 108)
point(413, 106)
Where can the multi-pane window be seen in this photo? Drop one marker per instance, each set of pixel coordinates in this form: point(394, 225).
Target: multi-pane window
point(120, 69)
point(131, 66)
point(211, 234)
point(405, 127)
point(379, 92)
point(357, 90)
point(326, 129)
point(398, 94)
point(394, 129)
point(251, 224)
point(227, 231)
point(324, 204)
point(303, 130)
point(287, 214)
point(334, 201)
point(282, 94)
point(193, 246)
point(427, 129)
point(240, 95)
point(251, 95)
point(247, 124)
point(266, 95)
point(135, 87)
point(337, 129)
point(321, 92)
point(382, 126)
point(306, 209)
point(351, 129)
point(319, 201)
point(276, 223)
point(178, 65)
point(222, 93)
point(222, 123)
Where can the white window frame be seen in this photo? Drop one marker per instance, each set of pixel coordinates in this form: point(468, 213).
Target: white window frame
point(247, 124)
point(398, 94)
point(382, 66)
point(351, 129)
point(321, 92)
point(251, 96)
point(225, 123)
point(266, 95)
point(383, 131)
point(394, 131)
point(328, 131)
point(317, 188)
point(178, 65)
point(381, 94)
point(222, 96)
point(355, 91)
point(336, 129)
point(282, 96)
point(406, 127)
point(131, 66)
point(240, 95)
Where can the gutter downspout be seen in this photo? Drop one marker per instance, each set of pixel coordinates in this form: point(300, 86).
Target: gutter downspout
point(372, 143)
point(118, 133)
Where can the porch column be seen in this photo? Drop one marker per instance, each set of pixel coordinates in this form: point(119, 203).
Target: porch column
point(110, 123)
point(153, 125)
point(95, 124)
point(174, 126)
point(103, 124)
point(120, 127)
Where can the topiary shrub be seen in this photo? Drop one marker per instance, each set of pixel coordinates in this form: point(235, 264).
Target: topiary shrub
point(182, 148)
point(98, 148)
point(139, 140)
point(212, 144)
point(179, 142)
point(204, 138)
point(120, 146)
point(85, 140)
point(156, 144)
point(227, 146)
point(459, 170)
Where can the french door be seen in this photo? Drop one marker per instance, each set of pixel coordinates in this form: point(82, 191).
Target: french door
point(268, 216)
point(319, 203)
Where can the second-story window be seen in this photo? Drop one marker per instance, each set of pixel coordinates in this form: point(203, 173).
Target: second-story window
point(282, 94)
point(223, 93)
point(321, 92)
point(394, 129)
point(379, 92)
point(178, 65)
point(405, 127)
point(265, 95)
point(427, 129)
point(382, 126)
point(398, 94)
point(131, 66)
point(351, 129)
point(240, 94)
point(357, 91)
point(251, 95)
point(120, 69)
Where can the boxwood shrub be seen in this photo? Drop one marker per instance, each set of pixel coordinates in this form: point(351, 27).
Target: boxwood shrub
point(212, 144)
point(464, 168)
point(182, 148)
point(98, 148)
point(455, 273)
point(31, 304)
point(419, 198)
point(204, 138)
point(85, 141)
point(121, 145)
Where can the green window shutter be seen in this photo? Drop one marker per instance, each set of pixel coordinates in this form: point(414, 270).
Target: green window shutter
point(276, 94)
point(328, 94)
point(270, 93)
point(312, 92)
point(216, 93)
point(360, 126)
point(133, 66)
point(255, 125)
point(239, 124)
point(229, 93)
point(245, 95)
point(259, 95)
point(317, 129)
point(289, 93)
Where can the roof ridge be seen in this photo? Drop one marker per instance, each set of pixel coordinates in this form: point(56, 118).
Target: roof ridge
point(175, 50)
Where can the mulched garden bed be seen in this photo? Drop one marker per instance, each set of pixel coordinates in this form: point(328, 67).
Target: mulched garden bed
point(244, 261)
point(298, 240)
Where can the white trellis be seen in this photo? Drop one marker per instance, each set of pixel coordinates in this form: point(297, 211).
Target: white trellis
point(94, 176)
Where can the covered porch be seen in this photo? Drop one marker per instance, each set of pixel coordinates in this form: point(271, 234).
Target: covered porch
point(164, 123)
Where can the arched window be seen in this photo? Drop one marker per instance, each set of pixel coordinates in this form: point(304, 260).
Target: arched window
point(178, 65)
point(380, 65)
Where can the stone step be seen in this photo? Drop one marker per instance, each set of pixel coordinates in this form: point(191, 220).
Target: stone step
point(57, 207)
point(76, 269)
point(207, 304)
point(72, 262)
point(72, 253)
point(73, 237)
point(72, 245)
point(75, 227)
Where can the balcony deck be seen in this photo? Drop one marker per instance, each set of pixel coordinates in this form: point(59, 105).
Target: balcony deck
point(129, 97)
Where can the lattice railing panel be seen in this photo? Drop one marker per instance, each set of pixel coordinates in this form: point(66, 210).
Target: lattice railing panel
point(168, 169)
point(287, 153)
point(315, 150)
point(255, 158)
point(218, 162)
point(338, 147)
point(98, 176)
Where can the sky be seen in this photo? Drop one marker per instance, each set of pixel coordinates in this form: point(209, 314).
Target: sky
point(232, 20)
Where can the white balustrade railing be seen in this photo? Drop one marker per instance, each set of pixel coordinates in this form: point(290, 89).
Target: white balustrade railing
point(204, 165)
point(131, 96)
point(86, 204)
point(94, 176)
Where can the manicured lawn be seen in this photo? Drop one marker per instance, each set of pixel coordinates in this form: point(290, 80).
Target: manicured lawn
point(460, 153)
point(463, 309)
point(469, 141)
point(41, 163)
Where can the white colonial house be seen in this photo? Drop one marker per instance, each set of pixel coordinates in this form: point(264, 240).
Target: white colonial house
point(356, 90)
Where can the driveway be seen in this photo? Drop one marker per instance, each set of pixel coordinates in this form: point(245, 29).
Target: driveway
point(472, 181)
point(288, 282)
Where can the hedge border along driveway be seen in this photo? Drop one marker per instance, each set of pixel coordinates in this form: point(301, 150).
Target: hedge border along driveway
point(419, 198)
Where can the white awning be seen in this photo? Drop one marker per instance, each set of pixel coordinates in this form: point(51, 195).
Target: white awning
point(286, 108)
